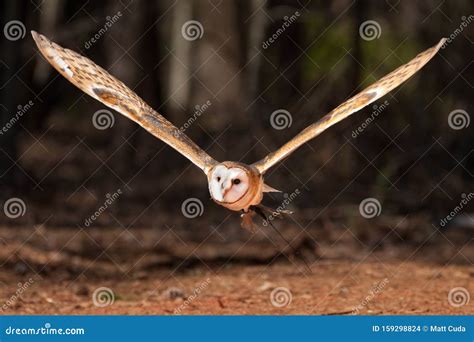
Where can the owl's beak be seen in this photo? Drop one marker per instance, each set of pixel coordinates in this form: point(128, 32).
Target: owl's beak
point(225, 186)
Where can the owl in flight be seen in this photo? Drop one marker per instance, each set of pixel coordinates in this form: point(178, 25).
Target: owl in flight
point(234, 185)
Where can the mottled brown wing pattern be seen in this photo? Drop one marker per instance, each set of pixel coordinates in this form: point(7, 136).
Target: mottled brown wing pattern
point(98, 83)
point(354, 104)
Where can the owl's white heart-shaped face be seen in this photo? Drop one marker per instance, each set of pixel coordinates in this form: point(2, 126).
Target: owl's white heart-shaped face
point(228, 185)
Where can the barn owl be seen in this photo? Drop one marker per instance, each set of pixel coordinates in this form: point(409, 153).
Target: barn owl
point(233, 185)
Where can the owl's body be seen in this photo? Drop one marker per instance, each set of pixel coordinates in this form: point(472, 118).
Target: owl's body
point(233, 185)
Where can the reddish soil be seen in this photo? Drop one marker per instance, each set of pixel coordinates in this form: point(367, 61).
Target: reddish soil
point(389, 271)
point(337, 287)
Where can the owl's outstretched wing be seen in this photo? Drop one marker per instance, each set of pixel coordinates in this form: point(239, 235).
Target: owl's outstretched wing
point(98, 83)
point(354, 104)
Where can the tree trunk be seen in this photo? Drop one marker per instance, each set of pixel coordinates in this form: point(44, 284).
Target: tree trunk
point(12, 94)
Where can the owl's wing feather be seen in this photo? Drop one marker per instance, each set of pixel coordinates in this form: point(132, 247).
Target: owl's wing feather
point(354, 104)
point(98, 83)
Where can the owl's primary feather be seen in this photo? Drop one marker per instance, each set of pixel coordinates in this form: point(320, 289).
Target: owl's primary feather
point(98, 83)
point(354, 104)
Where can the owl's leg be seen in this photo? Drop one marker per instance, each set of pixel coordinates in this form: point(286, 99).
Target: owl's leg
point(247, 221)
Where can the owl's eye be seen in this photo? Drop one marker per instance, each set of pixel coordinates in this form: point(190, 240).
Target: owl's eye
point(218, 179)
point(236, 181)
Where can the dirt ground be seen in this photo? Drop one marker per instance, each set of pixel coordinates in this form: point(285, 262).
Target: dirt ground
point(334, 288)
point(113, 271)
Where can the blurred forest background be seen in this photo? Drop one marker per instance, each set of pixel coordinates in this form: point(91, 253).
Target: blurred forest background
point(247, 60)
